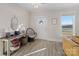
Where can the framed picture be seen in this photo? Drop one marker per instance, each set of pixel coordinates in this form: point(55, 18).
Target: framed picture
point(54, 21)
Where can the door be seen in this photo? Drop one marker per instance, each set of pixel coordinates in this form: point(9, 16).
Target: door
point(68, 25)
point(41, 27)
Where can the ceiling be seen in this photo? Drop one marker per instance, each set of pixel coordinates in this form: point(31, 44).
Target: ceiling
point(50, 6)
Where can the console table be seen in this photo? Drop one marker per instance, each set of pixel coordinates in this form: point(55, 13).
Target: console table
point(8, 40)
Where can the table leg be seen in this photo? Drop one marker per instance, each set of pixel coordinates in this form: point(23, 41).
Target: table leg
point(1, 47)
point(8, 47)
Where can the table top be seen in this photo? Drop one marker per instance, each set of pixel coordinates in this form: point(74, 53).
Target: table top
point(13, 37)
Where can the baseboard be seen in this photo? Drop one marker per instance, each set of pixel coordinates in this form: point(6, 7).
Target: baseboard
point(50, 39)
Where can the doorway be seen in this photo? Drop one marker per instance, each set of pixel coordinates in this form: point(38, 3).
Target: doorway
point(68, 25)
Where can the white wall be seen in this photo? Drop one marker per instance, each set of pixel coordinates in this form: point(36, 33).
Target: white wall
point(7, 11)
point(77, 23)
point(52, 31)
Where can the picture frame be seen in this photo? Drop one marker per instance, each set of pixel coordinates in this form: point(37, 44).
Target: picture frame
point(54, 21)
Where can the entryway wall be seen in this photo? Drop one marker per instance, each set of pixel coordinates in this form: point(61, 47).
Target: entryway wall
point(51, 31)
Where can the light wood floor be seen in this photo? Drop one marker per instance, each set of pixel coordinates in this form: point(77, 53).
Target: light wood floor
point(41, 48)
